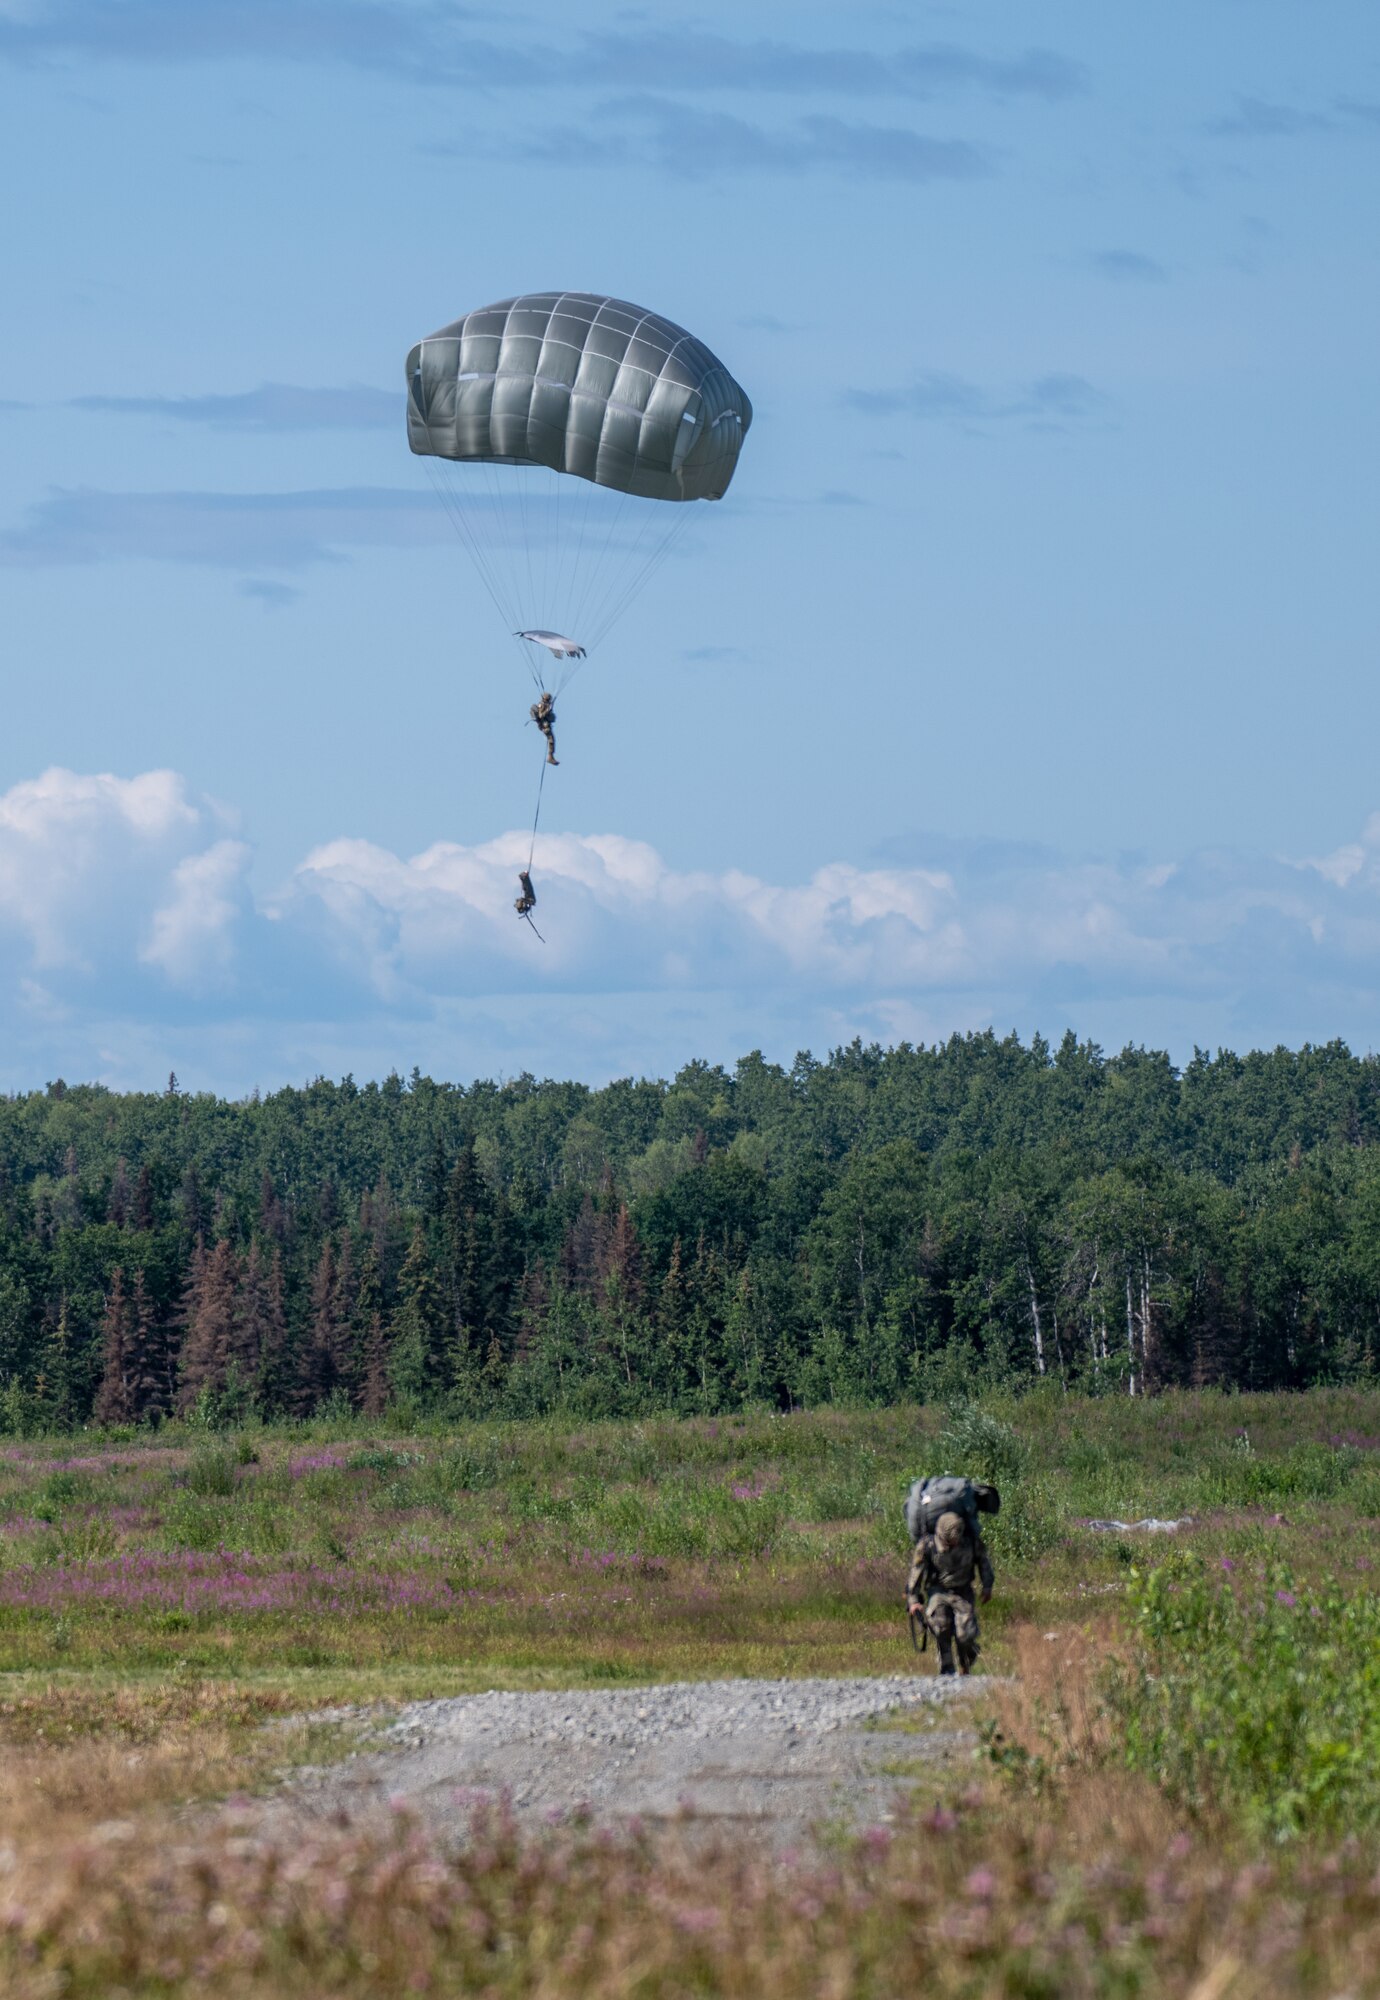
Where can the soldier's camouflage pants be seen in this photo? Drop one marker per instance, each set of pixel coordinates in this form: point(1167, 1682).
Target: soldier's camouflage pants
point(952, 1618)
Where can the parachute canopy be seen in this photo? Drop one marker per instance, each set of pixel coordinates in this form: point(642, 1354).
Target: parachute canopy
point(584, 384)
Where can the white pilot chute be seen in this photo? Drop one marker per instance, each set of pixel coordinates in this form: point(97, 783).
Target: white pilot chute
point(556, 644)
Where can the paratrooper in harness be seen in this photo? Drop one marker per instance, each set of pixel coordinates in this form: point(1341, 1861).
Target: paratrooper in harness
point(543, 713)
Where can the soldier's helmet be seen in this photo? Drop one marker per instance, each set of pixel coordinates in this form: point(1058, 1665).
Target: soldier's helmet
point(948, 1532)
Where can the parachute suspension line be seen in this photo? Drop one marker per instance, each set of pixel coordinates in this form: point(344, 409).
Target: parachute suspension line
point(465, 529)
point(597, 566)
point(526, 533)
point(571, 520)
point(533, 666)
point(492, 514)
point(665, 548)
point(613, 606)
point(555, 547)
point(498, 516)
point(613, 585)
point(595, 571)
point(577, 570)
point(625, 587)
point(551, 535)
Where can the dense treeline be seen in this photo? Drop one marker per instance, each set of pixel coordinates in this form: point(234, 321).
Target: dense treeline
point(879, 1225)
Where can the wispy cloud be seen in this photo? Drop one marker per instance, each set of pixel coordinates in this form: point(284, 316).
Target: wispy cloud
point(686, 60)
point(1261, 118)
point(1126, 267)
point(438, 45)
point(1053, 400)
point(713, 656)
point(694, 144)
point(278, 532)
point(247, 531)
point(272, 596)
point(168, 32)
point(1365, 110)
point(274, 406)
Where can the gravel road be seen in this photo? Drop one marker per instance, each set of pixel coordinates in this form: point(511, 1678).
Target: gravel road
point(779, 1755)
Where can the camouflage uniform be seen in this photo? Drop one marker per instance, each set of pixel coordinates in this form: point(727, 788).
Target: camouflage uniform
point(543, 713)
point(941, 1583)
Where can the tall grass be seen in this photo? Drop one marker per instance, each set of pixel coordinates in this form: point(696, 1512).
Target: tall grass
point(935, 1905)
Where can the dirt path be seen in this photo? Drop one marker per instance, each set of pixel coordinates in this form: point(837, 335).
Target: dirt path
point(778, 1755)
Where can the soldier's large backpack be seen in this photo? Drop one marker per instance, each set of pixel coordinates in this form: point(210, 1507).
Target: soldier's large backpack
point(948, 1494)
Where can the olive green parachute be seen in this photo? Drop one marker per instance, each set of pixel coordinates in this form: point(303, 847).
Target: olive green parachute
point(586, 385)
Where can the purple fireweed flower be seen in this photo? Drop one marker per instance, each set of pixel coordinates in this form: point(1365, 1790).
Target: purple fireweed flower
point(211, 1585)
point(1286, 1597)
point(749, 1489)
point(1227, 1563)
point(317, 1461)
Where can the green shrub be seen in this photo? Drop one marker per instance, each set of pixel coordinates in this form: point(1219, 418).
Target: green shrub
point(194, 1522)
point(1027, 1525)
point(845, 1497)
point(379, 1459)
point(1239, 1476)
point(214, 1472)
point(1255, 1698)
point(982, 1446)
point(88, 1538)
point(463, 1469)
point(61, 1490)
point(697, 1523)
point(266, 1527)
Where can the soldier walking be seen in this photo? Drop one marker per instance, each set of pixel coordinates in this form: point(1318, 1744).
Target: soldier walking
point(940, 1588)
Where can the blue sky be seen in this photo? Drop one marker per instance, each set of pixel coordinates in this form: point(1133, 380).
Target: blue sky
point(1025, 676)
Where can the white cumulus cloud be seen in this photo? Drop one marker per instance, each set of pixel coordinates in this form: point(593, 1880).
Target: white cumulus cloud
point(129, 935)
point(100, 873)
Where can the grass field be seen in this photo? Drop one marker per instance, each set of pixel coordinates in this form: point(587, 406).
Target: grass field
point(1182, 1784)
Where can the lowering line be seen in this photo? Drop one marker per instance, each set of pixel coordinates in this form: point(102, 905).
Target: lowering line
point(531, 851)
point(541, 785)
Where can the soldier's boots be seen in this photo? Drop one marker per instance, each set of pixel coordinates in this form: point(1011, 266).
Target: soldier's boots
point(946, 1656)
point(967, 1656)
